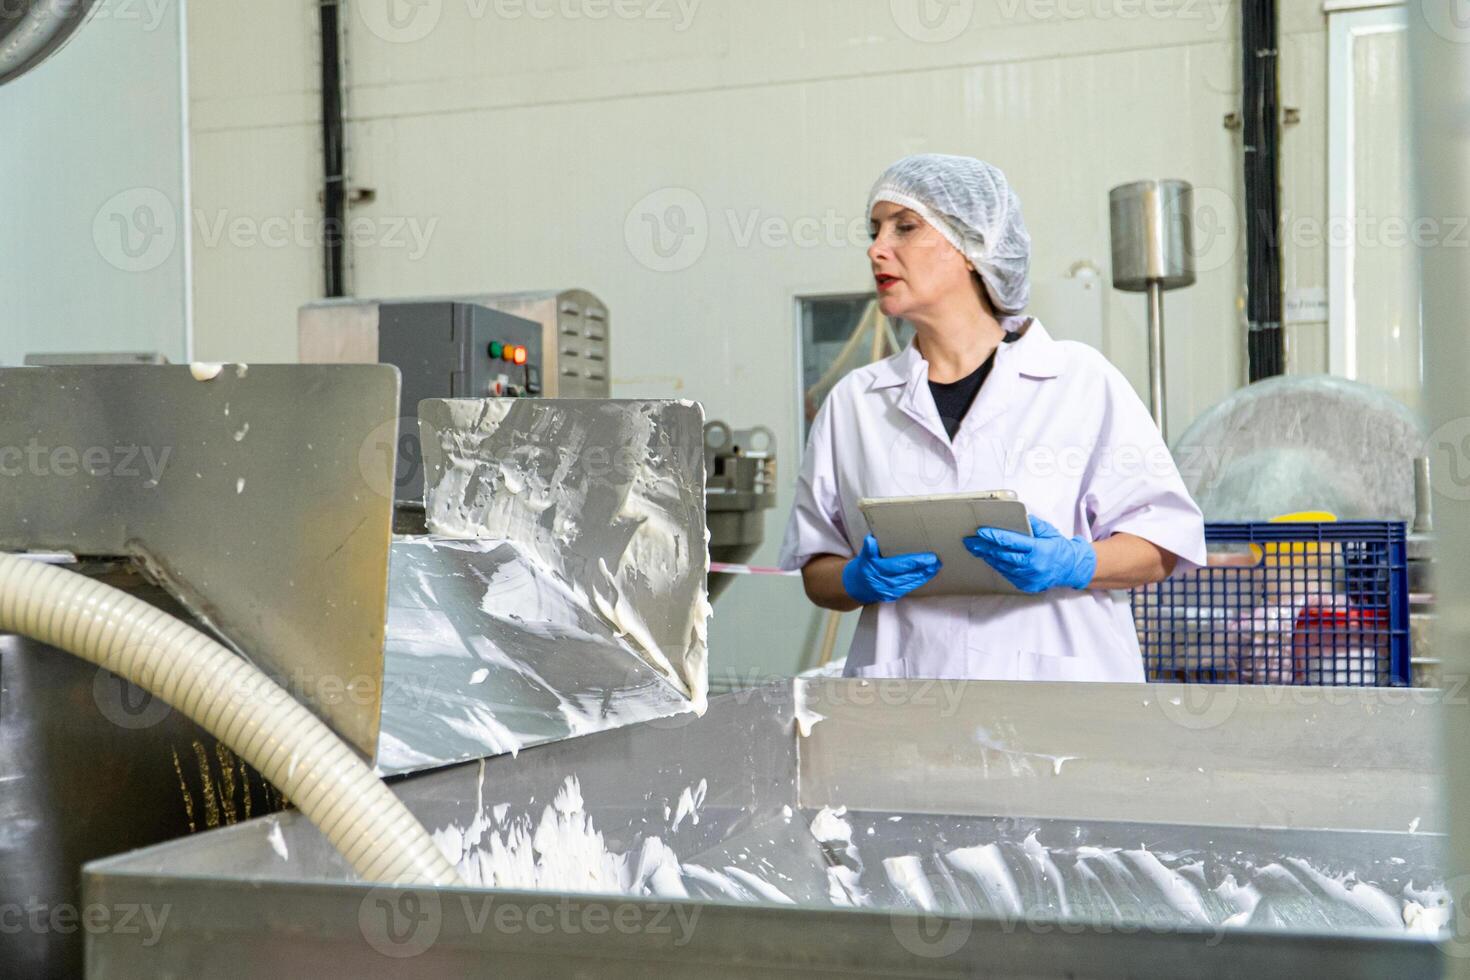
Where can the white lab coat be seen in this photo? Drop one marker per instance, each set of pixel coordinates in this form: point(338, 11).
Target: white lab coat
point(1055, 422)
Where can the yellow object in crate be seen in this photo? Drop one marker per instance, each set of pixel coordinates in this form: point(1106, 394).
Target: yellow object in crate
point(1293, 548)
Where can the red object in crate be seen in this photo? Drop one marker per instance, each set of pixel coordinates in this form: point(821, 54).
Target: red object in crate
point(1337, 645)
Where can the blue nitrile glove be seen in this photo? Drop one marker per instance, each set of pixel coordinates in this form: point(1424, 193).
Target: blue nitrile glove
point(1038, 563)
point(871, 578)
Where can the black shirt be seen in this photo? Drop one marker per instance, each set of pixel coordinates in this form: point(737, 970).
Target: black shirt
point(954, 398)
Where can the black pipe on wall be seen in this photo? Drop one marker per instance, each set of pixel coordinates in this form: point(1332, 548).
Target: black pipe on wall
point(334, 188)
point(1261, 128)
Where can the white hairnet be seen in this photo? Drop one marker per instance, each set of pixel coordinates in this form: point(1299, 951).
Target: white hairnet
point(971, 204)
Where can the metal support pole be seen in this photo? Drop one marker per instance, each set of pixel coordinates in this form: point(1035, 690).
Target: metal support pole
point(1156, 352)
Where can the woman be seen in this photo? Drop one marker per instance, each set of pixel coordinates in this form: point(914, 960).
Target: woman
point(984, 399)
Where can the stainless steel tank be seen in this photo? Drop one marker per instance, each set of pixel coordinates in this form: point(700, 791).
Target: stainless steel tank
point(1153, 251)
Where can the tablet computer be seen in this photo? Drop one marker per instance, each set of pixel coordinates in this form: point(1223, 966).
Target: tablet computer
point(940, 523)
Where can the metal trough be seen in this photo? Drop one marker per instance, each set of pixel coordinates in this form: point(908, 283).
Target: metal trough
point(996, 828)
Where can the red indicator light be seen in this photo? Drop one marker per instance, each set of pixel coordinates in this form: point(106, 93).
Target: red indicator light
point(520, 355)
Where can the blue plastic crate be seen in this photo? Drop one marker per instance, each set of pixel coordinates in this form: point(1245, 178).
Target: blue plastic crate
point(1308, 603)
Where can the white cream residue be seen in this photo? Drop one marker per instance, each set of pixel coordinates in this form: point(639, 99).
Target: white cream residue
point(759, 886)
point(480, 725)
point(990, 872)
point(277, 840)
point(806, 715)
point(205, 371)
point(1018, 762)
point(831, 827)
point(690, 802)
point(906, 875)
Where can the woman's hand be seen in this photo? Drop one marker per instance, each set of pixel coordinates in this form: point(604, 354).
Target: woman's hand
point(846, 584)
point(1038, 563)
point(870, 578)
point(1048, 560)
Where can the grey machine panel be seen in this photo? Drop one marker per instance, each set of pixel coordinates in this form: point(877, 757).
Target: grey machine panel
point(576, 334)
point(444, 351)
point(920, 828)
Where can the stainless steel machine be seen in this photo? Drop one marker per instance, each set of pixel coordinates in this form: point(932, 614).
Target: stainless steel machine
point(255, 503)
point(576, 335)
point(532, 676)
point(919, 828)
point(740, 487)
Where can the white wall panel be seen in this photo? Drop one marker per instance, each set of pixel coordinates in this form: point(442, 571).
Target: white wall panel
point(510, 152)
point(92, 195)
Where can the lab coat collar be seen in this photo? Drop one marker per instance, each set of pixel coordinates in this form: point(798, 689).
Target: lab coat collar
point(1035, 355)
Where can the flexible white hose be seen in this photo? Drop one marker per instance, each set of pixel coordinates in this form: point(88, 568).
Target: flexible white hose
point(234, 701)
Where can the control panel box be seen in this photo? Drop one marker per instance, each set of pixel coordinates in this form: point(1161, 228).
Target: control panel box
point(576, 334)
point(453, 350)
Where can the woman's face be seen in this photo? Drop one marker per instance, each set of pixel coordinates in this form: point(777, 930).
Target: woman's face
point(916, 270)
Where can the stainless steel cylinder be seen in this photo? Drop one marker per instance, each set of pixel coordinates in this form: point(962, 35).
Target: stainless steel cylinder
point(1153, 234)
point(1153, 251)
